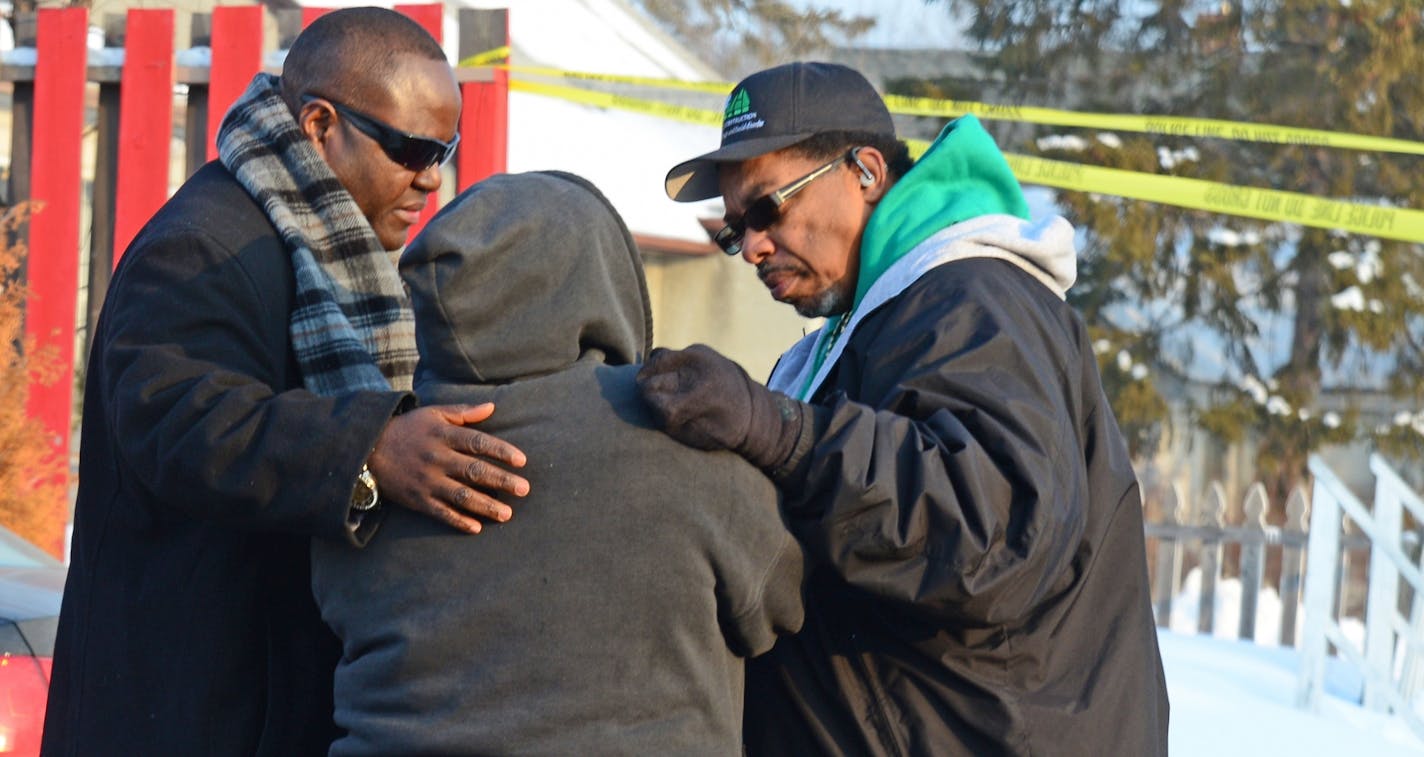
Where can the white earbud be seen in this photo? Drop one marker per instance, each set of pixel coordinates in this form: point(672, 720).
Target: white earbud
point(866, 177)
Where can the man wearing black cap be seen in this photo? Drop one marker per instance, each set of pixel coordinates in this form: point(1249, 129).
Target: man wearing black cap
point(945, 451)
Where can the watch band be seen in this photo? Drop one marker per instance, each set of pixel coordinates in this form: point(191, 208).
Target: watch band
point(364, 494)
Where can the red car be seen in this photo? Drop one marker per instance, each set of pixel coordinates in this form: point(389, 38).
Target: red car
point(31, 582)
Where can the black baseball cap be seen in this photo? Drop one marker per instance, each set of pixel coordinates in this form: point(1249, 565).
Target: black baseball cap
point(777, 108)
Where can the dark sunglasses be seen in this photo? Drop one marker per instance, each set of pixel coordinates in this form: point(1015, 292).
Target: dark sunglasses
point(410, 151)
point(766, 210)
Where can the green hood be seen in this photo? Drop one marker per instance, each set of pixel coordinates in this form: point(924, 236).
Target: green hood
point(961, 176)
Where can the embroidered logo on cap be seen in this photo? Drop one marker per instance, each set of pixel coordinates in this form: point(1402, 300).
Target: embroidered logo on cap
point(739, 116)
point(737, 104)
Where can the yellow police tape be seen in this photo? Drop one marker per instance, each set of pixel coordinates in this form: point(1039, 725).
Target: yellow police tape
point(1175, 126)
point(711, 87)
point(621, 102)
point(1180, 126)
point(486, 58)
point(1265, 204)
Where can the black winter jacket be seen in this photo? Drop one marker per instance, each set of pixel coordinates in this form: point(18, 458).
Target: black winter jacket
point(980, 584)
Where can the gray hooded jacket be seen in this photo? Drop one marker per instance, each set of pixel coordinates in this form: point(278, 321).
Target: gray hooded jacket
point(611, 613)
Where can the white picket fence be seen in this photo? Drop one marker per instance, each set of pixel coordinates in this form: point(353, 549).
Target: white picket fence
point(1327, 538)
point(1392, 660)
point(1196, 538)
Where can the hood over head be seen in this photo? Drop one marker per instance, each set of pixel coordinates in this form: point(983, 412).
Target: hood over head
point(522, 275)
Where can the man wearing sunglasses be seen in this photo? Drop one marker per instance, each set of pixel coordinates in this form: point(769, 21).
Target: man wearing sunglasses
point(249, 390)
point(943, 446)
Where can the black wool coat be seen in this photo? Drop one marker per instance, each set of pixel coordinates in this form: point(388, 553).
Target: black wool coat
point(188, 625)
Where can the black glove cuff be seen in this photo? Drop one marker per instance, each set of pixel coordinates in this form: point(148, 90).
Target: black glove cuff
point(792, 471)
point(774, 429)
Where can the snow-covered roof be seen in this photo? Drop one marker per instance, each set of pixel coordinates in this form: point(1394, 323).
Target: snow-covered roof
point(606, 36)
point(625, 154)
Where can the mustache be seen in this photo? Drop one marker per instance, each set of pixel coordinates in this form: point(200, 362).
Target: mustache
point(766, 268)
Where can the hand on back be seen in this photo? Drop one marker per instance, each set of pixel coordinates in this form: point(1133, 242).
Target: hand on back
point(431, 461)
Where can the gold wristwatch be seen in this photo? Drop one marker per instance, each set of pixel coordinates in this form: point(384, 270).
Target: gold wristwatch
point(364, 495)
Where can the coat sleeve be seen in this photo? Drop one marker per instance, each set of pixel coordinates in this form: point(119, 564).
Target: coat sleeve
point(954, 483)
point(194, 355)
point(770, 596)
point(760, 566)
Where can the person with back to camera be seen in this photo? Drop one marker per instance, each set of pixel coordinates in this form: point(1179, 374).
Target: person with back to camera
point(944, 449)
point(612, 616)
point(248, 390)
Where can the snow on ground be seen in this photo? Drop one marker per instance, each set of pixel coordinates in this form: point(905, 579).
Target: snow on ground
point(1237, 698)
point(1232, 697)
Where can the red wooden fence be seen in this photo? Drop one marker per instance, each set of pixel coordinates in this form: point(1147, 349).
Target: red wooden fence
point(52, 268)
point(237, 55)
point(485, 102)
point(52, 127)
point(145, 122)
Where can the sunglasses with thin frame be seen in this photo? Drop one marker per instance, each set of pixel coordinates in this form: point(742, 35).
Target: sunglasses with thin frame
point(766, 210)
point(410, 151)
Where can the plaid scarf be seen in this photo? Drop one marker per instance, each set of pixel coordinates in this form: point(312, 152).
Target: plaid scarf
point(351, 326)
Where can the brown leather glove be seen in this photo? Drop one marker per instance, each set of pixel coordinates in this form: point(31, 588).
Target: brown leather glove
point(706, 401)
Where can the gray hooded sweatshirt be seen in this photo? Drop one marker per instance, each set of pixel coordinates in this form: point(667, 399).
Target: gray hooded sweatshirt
point(612, 613)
